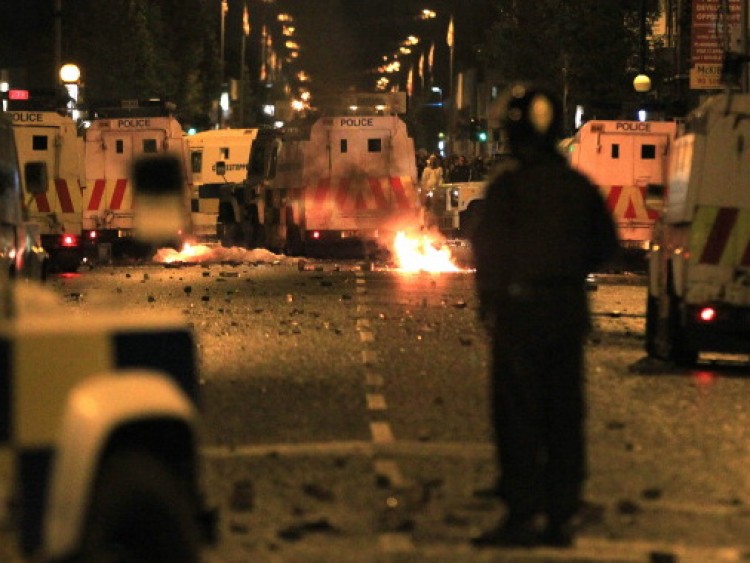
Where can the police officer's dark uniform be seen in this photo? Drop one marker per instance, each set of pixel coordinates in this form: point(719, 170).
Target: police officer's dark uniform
point(543, 228)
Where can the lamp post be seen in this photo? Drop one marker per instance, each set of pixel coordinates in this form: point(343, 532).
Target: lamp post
point(642, 83)
point(57, 10)
point(220, 109)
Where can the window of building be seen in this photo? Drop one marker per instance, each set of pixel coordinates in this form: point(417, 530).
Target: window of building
point(39, 143)
point(374, 145)
point(648, 152)
point(615, 151)
point(149, 146)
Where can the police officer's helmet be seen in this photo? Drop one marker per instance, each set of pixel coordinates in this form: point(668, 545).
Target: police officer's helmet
point(530, 116)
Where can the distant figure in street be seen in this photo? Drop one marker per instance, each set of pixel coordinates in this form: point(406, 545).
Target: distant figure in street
point(461, 171)
point(543, 228)
point(432, 178)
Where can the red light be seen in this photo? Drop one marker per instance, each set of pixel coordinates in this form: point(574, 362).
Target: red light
point(707, 314)
point(316, 234)
point(68, 240)
point(92, 235)
point(18, 94)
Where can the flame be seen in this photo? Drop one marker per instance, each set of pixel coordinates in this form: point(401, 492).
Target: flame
point(188, 253)
point(422, 253)
point(201, 253)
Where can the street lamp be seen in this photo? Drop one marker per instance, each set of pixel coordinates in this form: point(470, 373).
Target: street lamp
point(219, 109)
point(70, 75)
point(642, 83)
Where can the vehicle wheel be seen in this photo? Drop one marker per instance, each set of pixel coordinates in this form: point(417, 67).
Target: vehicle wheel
point(679, 351)
point(67, 263)
point(228, 234)
point(252, 229)
point(294, 244)
point(140, 511)
point(652, 319)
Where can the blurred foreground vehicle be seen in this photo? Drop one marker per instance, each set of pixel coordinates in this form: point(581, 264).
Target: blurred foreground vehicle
point(99, 427)
point(699, 264)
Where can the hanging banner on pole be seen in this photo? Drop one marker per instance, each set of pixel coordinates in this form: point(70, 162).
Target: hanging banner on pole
point(710, 36)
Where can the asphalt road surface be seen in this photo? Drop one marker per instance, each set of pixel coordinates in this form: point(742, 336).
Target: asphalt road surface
point(346, 418)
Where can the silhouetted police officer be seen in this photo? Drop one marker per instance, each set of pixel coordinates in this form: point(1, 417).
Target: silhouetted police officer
point(543, 228)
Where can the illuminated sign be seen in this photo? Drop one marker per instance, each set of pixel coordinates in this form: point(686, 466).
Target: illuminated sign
point(708, 29)
point(18, 94)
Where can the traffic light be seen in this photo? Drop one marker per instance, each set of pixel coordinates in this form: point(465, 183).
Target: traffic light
point(479, 130)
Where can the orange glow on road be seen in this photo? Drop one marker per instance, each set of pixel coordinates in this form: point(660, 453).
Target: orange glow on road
point(422, 253)
point(189, 253)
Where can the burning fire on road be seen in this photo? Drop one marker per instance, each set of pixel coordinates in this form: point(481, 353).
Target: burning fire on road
point(423, 252)
point(201, 254)
point(411, 253)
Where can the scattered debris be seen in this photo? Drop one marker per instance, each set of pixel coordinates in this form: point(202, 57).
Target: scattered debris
point(651, 493)
point(296, 532)
point(318, 492)
point(243, 496)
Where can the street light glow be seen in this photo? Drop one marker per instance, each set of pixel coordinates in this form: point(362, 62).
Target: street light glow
point(70, 73)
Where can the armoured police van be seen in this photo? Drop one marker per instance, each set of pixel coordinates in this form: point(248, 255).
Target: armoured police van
point(50, 138)
point(623, 158)
point(21, 253)
point(99, 428)
point(115, 138)
point(699, 264)
point(217, 157)
point(453, 206)
point(346, 185)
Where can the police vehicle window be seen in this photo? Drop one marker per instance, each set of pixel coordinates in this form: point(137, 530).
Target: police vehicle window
point(648, 152)
point(149, 145)
point(39, 143)
point(119, 146)
point(344, 146)
point(196, 161)
point(224, 151)
point(615, 151)
point(374, 145)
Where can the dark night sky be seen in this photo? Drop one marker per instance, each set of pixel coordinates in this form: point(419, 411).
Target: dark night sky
point(339, 39)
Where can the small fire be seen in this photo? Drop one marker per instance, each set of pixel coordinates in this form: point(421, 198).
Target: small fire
point(205, 254)
point(189, 253)
point(422, 253)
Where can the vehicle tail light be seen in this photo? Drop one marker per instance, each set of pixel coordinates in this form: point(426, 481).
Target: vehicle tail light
point(316, 234)
point(68, 240)
point(707, 314)
point(92, 235)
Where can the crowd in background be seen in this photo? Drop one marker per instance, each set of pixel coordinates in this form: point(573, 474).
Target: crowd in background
point(455, 168)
